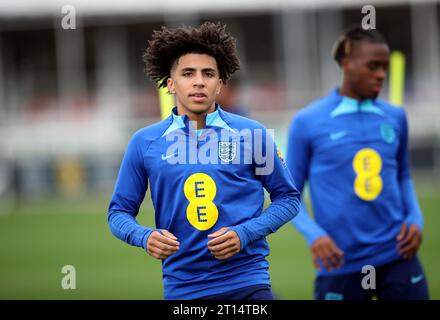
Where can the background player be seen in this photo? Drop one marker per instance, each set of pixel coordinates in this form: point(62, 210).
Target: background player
point(352, 149)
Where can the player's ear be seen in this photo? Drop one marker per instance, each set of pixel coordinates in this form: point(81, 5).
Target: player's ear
point(170, 86)
point(220, 84)
point(346, 63)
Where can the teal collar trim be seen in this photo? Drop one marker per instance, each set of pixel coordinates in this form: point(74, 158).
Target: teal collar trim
point(369, 107)
point(178, 123)
point(349, 105)
point(346, 106)
point(213, 119)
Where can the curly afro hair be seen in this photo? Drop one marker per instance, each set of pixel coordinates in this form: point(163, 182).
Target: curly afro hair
point(168, 45)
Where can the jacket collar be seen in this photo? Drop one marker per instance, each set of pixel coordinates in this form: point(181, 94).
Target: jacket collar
point(349, 105)
point(213, 119)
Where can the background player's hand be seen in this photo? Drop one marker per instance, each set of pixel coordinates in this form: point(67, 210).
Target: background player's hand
point(161, 246)
point(409, 240)
point(325, 249)
point(224, 245)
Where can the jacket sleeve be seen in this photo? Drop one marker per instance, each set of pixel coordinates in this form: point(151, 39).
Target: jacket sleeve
point(129, 192)
point(407, 190)
point(298, 161)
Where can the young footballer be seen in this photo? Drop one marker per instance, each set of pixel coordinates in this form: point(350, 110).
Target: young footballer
point(207, 170)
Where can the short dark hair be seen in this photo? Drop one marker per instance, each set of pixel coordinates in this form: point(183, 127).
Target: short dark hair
point(168, 45)
point(345, 43)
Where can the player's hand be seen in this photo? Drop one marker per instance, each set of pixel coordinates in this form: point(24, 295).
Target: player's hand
point(224, 244)
point(409, 240)
point(161, 246)
point(325, 249)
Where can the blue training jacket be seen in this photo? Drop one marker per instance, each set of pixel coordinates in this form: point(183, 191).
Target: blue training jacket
point(200, 182)
point(354, 155)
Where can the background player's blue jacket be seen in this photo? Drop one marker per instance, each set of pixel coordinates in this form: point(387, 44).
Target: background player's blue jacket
point(354, 156)
point(194, 200)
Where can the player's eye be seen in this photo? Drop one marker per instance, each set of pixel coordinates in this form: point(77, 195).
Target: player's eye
point(210, 74)
point(373, 66)
point(187, 73)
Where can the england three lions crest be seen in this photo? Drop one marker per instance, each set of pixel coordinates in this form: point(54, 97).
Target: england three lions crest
point(227, 151)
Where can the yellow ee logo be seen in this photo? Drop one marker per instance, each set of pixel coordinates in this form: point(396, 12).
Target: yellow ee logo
point(200, 190)
point(367, 164)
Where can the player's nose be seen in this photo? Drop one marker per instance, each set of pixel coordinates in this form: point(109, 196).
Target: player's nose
point(198, 80)
point(381, 74)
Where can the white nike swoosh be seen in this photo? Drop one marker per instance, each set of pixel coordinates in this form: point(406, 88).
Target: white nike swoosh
point(338, 135)
point(416, 279)
point(164, 157)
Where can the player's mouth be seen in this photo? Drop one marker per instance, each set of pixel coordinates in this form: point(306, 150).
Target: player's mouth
point(198, 97)
point(376, 88)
